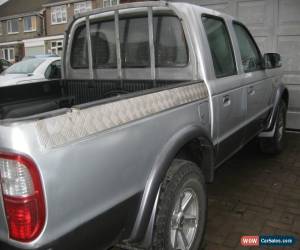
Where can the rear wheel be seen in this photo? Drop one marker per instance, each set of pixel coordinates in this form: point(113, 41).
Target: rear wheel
point(181, 214)
point(274, 145)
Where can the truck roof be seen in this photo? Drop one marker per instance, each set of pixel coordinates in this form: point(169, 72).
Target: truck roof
point(180, 7)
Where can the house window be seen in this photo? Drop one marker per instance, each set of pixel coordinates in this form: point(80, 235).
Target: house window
point(29, 23)
point(57, 47)
point(108, 3)
point(82, 7)
point(12, 26)
point(59, 14)
point(8, 54)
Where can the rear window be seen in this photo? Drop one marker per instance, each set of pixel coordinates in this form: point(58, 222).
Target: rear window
point(134, 41)
point(103, 44)
point(169, 41)
point(170, 44)
point(79, 53)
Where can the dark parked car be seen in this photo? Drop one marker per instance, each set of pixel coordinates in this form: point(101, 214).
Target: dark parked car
point(4, 64)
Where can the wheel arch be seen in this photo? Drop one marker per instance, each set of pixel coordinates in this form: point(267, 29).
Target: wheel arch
point(184, 145)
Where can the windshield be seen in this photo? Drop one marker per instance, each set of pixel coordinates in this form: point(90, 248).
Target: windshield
point(24, 67)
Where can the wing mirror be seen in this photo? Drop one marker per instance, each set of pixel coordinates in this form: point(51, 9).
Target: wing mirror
point(272, 60)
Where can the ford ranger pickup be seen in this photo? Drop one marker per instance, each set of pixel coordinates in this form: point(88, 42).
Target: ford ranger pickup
point(154, 97)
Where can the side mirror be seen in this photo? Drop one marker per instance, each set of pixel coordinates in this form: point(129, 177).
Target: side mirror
point(272, 60)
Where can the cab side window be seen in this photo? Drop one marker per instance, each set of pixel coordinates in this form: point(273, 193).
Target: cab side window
point(220, 46)
point(251, 57)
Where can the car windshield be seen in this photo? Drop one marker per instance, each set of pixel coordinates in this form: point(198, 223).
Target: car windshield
point(25, 67)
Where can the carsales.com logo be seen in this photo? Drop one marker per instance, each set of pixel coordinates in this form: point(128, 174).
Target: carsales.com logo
point(275, 240)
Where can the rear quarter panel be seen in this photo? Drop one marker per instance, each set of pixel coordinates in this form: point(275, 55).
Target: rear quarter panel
point(85, 170)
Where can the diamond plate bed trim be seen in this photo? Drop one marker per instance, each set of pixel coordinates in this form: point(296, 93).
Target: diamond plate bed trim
point(77, 124)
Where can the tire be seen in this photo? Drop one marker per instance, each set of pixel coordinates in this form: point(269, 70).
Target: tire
point(174, 227)
point(275, 144)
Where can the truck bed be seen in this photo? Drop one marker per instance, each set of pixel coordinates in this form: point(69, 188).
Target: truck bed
point(20, 101)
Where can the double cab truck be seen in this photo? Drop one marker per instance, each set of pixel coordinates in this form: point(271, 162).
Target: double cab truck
point(154, 97)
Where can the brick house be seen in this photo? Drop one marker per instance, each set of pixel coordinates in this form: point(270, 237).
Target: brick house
point(19, 20)
point(57, 15)
point(37, 26)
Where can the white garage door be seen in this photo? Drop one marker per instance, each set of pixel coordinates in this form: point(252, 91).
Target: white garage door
point(33, 51)
point(275, 25)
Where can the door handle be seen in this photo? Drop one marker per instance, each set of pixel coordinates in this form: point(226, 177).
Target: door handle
point(226, 100)
point(251, 91)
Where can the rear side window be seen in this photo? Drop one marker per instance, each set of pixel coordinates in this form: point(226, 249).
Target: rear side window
point(220, 46)
point(251, 57)
point(169, 42)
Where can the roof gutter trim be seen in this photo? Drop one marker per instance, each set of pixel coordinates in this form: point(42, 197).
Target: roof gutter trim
point(34, 13)
point(61, 3)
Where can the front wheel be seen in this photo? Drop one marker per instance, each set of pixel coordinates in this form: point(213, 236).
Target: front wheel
point(181, 213)
point(274, 145)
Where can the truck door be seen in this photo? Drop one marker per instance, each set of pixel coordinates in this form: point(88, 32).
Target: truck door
point(257, 86)
point(228, 107)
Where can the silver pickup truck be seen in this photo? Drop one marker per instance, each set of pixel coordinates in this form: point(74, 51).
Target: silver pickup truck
point(154, 97)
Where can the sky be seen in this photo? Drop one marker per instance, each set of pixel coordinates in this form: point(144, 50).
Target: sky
point(2, 1)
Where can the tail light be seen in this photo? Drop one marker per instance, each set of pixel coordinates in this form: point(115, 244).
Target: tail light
point(23, 197)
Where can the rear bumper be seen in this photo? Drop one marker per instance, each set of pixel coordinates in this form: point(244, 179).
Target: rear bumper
point(100, 233)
